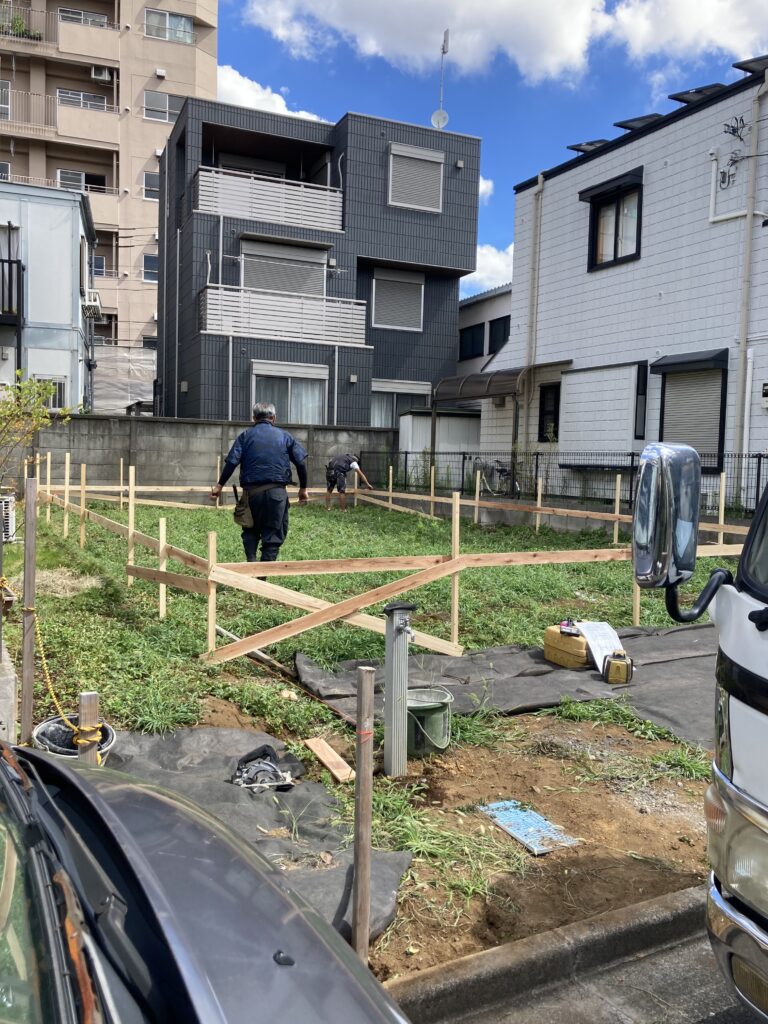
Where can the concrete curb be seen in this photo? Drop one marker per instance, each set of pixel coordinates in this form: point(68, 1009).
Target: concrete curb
point(484, 979)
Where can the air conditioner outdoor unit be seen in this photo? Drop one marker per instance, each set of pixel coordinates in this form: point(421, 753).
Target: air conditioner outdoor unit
point(101, 74)
point(8, 513)
point(91, 304)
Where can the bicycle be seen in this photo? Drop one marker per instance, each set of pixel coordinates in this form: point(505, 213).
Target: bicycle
point(500, 474)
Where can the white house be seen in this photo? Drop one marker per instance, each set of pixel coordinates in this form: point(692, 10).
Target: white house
point(47, 301)
point(640, 299)
point(484, 322)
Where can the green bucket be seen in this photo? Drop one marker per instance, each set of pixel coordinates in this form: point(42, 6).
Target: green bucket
point(429, 720)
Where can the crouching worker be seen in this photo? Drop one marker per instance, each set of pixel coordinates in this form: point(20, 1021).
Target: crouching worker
point(264, 454)
point(336, 476)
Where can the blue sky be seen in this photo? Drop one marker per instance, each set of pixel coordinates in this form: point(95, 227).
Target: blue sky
point(528, 78)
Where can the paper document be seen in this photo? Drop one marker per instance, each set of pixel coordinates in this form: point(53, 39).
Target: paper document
point(602, 640)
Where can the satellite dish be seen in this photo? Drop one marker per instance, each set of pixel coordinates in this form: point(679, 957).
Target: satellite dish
point(440, 119)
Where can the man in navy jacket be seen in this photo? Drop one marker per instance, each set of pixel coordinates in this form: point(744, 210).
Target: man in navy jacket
point(264, 454)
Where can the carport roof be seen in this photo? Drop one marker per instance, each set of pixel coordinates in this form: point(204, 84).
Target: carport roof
point(474, 386)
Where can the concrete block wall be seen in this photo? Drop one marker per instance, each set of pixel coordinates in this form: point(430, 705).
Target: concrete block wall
point(177, 452)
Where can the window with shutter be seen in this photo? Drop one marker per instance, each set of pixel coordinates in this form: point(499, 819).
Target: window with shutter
point(398, 300)
point(416, 178)
point(692, 409)
point(472, 341)
point(283, 268)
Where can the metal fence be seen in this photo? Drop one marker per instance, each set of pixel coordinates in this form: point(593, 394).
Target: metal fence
point(567, 477)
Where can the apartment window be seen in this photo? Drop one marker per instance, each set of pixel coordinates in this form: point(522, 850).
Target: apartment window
point(614, 219)
point(99, 266)
point(416, 178)
point(472, 341)
point(58, 399)
point(80, 181)
point(152, 185)
point(5, 170)
point(498, 334)
point(149, 342)
point(398, 300)
point(149, 271)
point(641, 400)
point(75, 17)
point(388, 406)
point(298, 391)
point(549, 412)
point(283, 268)
point(175, 28)
point(86, 100)
point(162, 106)
point(5, 101)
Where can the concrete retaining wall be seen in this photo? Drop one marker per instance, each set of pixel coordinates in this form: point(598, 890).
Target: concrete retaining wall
point(175, 451)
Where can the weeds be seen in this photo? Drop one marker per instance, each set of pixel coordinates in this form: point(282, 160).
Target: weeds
point(609, 711)
point(625, 772)
point(300, 717)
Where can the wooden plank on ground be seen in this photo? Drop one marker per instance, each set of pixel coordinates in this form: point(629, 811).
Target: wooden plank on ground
point(172, 579)
point(324, 566)
point(334, 762)
point(333, 612)
point(295, 599)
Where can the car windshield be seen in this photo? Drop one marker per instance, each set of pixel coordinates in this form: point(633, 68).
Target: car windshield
point(26, 993)
point(756, 563)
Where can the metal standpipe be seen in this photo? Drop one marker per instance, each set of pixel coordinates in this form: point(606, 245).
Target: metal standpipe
point(396, 687)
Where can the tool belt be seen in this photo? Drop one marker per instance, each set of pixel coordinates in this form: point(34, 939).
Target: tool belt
point(242, 513)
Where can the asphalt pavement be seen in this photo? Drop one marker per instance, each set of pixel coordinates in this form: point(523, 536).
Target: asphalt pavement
point(680, 984)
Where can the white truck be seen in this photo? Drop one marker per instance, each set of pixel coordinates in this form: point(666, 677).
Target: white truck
point(664, 551)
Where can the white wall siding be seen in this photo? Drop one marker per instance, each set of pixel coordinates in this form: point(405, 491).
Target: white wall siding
point(597, 409)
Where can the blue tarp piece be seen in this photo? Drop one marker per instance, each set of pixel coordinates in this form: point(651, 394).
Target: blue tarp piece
point(534, 831)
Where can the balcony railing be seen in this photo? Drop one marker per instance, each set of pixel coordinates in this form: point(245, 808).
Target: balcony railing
point(30, 110)
point(259, 197)
point(281, 316)
point(11, 292)
point(32, 26)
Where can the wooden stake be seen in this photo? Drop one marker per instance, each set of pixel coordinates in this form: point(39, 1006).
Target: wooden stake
point(635, 604)
point(163, 555)
point(131, 517)
point(361, 889)
point(211, 594)
point(37, 478)
point(48, 487)
point(122, 485)
point(455, 550)
point(432, 490)
point(82, 504)
point(354, 490)
point(617, 508)
point(477, 497)
point(28, 613)
point(88, 718)
point(218, 474)
point(390, 486)
point(721, 509)
point(538, 503)
point(66, 494)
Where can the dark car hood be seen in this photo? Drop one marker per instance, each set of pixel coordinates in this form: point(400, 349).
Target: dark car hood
point(224, 911)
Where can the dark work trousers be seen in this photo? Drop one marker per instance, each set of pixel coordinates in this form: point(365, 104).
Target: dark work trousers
point(270, 524)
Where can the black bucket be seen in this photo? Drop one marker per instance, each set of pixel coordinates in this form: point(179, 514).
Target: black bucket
point(58, 739)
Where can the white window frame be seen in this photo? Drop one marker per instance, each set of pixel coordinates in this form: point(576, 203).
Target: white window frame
point(70, 170)
point(102, 263)
point(73, 16)
point(85, 99)
point(406, 277)
point(6, 85)
point(167, 15)
point(144, 278)
point(151, 199)
point(393, 388)
point(5, 175)
point(167, 97)
point(416, 153)
point(311, 371)
point(62, 382)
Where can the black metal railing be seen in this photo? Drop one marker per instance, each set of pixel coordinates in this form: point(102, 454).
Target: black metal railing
point(569, 478)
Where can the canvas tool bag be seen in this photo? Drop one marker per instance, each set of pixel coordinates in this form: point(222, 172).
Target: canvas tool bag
point(242, 513)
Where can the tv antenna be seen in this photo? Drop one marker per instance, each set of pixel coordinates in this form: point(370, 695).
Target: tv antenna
point(440, 116)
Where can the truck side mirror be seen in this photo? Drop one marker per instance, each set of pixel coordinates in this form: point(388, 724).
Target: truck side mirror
point(665, 525)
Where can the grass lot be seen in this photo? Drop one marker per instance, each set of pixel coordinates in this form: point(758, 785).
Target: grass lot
point(110, 639)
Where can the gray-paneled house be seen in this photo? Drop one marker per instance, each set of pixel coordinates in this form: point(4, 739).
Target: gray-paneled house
point(316, 265)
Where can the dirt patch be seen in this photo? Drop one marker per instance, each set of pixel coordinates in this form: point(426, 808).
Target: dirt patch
point(641, 837)
point(223, 714)
point(58, 583)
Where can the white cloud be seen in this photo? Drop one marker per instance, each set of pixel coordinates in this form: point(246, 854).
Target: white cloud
point(548, 39)
point(486, 189)
point(494, 267)
point(244, 92)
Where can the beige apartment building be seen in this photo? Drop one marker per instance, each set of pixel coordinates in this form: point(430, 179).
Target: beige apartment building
point(89, 92)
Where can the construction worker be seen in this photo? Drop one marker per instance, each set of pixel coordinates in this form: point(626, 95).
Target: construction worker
point(336, 476)
point(264, 454)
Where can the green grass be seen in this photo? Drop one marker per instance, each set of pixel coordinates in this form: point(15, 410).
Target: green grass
point(148, 672)
point(609, 711)
point(683, 763)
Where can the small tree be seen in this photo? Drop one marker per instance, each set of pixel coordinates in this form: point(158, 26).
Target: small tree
point(24, 409)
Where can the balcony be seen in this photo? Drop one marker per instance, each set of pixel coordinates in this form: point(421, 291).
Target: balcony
point(106, 282)
point(27, 114)
point(82, 34)
point(98, 125)
point(11, 293)
point(277, 200)
point(281, 316)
